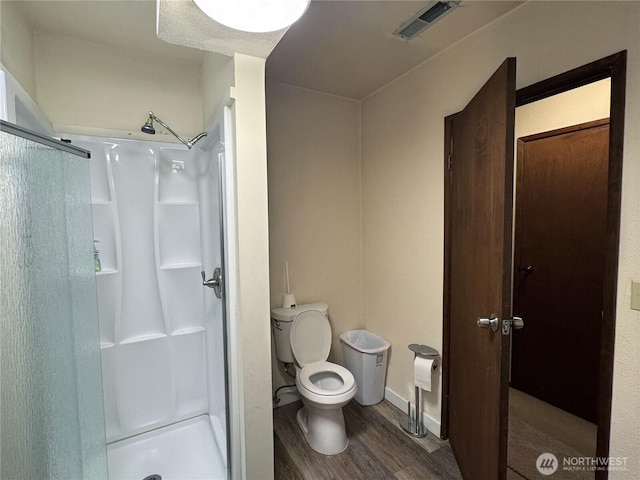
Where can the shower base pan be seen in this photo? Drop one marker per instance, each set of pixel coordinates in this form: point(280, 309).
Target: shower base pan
point(184, 450)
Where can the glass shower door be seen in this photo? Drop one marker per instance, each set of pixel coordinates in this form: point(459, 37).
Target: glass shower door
point(51, 414)
point(212, 205)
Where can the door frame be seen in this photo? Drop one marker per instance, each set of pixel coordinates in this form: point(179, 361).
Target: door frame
point(614, 67)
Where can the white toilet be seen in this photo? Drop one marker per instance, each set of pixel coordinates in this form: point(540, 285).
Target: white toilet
point(324, 386)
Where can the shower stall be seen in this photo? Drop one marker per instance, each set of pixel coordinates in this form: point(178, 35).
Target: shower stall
point(157, 227)
point(131, 340)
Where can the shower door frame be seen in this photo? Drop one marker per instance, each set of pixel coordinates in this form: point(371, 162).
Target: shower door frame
point(19, 131)
point(220, 124)
point(223, 121)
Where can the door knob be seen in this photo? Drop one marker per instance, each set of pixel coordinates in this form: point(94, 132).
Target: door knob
point(491, 322)
point(517, 323)
point(527, 269)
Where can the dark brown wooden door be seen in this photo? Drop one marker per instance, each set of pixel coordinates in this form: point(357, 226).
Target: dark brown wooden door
point(560, 253)
point(480, 264)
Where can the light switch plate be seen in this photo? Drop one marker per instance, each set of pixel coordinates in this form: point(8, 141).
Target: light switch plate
point(635, 295)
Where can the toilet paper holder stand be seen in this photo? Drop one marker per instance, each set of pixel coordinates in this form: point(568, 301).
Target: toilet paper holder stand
point(413, 424)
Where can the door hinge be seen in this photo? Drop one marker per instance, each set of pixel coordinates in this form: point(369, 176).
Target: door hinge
point(449, 162)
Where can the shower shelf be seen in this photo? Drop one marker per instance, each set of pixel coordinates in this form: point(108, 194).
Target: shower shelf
point(176, 202)
point(142, 338)
point(106, 271)
point(177, 266)
point(186, 331)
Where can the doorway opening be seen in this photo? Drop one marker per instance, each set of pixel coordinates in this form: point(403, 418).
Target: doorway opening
point(560, 223)
point(495, 426)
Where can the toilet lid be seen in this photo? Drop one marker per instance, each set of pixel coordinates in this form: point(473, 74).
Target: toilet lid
point(310, 337)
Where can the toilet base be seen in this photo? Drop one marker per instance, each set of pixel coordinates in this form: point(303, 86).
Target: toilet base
point(324, 429)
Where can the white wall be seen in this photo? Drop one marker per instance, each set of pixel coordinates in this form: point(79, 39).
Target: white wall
point(217, 79)
point(580, 105)
point(100, 89)
point(314, 205)
point(253, 265)
point(403, 199)
point(16, 46)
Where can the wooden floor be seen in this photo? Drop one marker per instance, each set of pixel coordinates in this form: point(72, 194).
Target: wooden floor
point(378, 449)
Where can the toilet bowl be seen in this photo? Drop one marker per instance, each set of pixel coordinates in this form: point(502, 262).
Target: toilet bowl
point(325, 387)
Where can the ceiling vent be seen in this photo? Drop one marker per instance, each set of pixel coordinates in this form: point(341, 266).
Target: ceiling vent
point(426, 17)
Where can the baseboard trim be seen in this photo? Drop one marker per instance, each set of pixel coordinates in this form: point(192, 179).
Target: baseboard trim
point(430, 423)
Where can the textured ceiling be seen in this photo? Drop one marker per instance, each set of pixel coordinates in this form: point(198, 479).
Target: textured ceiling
point(181, 22)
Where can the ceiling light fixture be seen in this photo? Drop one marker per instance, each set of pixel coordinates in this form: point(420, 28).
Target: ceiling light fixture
point(256, 16)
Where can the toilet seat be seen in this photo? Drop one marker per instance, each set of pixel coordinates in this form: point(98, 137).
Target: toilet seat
point(333, 373)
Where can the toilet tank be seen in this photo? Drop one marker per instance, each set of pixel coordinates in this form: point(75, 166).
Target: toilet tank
point(281, 321)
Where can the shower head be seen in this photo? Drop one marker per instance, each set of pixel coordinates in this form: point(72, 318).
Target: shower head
point(148, 128)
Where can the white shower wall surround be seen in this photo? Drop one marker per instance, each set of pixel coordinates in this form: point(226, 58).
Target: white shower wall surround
point(160, 332)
